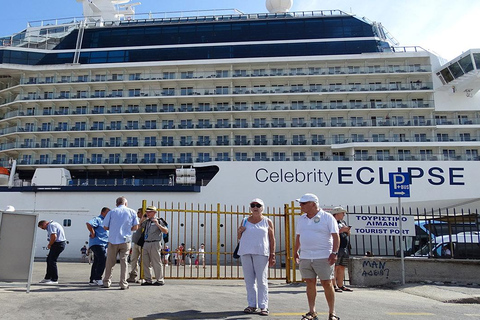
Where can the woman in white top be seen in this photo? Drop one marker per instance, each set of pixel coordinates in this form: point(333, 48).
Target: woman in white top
point(257, 252)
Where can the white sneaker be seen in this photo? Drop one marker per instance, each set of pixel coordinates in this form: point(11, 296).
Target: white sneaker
point(94, 283)
point(99, 282)
point(45, 281)
point(51, 282)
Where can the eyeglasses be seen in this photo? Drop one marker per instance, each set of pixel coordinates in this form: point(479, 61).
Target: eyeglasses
point(304, 203)
point(255, 205)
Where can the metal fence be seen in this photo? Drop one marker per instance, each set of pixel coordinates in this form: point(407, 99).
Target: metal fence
point(215, 226)
point(434, 229)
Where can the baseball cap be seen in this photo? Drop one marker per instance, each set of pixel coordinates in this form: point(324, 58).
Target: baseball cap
point(308, 197)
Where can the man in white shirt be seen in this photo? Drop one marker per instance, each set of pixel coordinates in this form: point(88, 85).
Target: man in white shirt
point(316, 248)
point(120, 222)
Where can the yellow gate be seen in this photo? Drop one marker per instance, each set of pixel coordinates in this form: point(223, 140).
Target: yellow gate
point(215, 226)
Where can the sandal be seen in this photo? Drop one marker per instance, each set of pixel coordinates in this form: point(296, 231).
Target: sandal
point(310, 316)
point(263, 312)
point(337, 289)
point(332, 316)
point(343, 288)
point(250, 310)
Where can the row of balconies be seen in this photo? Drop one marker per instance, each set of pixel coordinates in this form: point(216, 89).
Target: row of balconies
point(275, 72)
point(56, 111)
point(300, 140)
point(226, 90)
point(205, 157)
point(334, 122)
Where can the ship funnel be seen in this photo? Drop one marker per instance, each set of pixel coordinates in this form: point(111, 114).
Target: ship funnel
point(278, 6)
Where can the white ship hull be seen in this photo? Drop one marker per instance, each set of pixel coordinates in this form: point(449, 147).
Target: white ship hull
point(435, 185)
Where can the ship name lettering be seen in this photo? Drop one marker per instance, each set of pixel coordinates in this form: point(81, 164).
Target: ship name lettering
point(315, 175)
point(435, 175)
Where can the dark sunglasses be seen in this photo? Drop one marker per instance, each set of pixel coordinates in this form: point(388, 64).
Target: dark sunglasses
point(255, 205)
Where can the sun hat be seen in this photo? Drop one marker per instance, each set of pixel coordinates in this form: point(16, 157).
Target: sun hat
point(151, 208)
point(338, 210)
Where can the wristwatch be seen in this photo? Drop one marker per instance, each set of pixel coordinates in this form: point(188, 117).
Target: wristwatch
point(335, 253)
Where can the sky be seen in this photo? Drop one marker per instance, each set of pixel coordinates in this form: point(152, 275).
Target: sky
point(446, 27)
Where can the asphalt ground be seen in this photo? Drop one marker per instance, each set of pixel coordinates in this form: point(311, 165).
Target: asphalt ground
point(73, 298)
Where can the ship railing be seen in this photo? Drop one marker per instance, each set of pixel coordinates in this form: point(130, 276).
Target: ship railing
point(204, 91)
point(190, 107)
point(301, 122)
point(274, 72)
point(217, 15)
point(390, 156)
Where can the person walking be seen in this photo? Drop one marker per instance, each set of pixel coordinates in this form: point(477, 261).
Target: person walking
point(56, 245)
point(257, 253)
point(152, 248)
point(343, 251)
point(316, 249)
point(98, 245)
point(120, 222)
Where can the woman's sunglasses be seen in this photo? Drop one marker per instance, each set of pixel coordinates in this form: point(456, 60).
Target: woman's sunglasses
point(255, 205)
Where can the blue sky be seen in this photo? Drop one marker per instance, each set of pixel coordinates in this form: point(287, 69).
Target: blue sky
point(447, 27)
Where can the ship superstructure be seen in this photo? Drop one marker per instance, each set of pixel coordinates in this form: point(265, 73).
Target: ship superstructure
point(141, 97)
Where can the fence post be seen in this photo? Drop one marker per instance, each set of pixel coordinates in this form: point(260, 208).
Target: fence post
point(287, 244)
point(218, 240)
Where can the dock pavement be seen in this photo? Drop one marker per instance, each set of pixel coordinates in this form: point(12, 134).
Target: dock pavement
point(74, 298)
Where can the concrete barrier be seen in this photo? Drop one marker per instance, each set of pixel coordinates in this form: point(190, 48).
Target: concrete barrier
point(376, 271)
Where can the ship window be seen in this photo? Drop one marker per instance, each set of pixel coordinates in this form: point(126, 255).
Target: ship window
point(404, 155)
point(61, 159)
point(449, 154)
point(96, 158)
point(318, 156)
point(383, 155)
point(456, 70)
point(241, 156)
point(167, 158)
point(318, 139)
point(67, 222)
point(446, 75)
point(466, 63)
point(361, 155)
point(476, 58)
point(299, 156)
point(471, 154)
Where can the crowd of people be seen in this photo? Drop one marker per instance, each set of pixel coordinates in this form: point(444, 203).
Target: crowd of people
point(321, 250)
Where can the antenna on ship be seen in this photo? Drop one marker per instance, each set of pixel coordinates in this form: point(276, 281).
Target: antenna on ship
point(278, 6)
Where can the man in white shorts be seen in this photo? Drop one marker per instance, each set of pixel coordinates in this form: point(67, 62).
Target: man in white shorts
point(316, 248)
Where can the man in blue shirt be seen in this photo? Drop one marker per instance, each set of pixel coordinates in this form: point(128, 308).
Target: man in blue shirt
point(120, 222)
point(97, 244)
point(56, 244)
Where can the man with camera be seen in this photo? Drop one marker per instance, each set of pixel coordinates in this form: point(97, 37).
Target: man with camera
point(152, 247)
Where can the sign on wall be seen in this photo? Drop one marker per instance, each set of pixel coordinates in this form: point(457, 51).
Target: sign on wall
point(380, 225)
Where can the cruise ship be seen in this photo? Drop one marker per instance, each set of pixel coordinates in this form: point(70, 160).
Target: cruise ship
point(229, 106)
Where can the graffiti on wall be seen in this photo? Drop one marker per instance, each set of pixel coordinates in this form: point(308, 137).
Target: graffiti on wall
point(374, 268)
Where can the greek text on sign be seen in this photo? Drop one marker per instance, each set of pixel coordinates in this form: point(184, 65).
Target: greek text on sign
point(383, 225)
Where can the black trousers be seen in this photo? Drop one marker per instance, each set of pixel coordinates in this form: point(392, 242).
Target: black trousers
point(55, 250)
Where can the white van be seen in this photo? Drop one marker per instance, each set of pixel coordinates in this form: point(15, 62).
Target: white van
point(463, 245)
